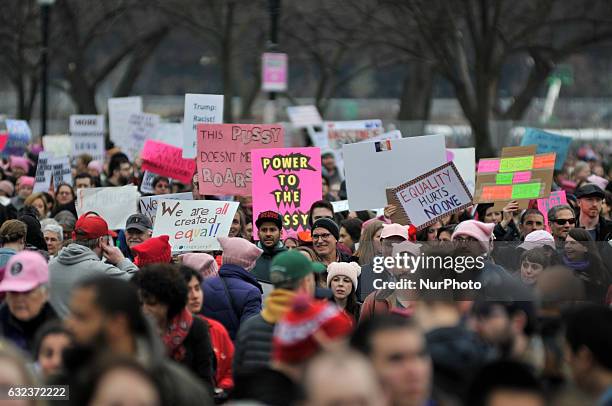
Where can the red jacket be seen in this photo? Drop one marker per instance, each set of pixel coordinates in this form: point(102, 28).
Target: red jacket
point(224, 353)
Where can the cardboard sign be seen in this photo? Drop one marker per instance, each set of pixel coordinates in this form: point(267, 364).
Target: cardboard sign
point(44, 172)
point(167, 160)
point(288, 181)
point(548, 142)
point(304, 116)
point(555, 199)
point(340, 133)
point(148, 204)
point(224, 155)
point(465, 161)
point(433, 195)
point(114, 204)
point(274, 72)
point(119, 111)
point(194, 225)
point(19, 136)
point(519, 174)
point(57, 145)
point(199, 108)
point(372, 167)
point(141, 127)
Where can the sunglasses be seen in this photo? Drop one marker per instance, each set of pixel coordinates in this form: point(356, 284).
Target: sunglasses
point(561, 222)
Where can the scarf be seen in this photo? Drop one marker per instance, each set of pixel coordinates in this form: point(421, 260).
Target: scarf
point(277, 304)
point(175, 334)
point(580, 265)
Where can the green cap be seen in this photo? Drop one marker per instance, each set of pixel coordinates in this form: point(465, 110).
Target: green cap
point(292, 265)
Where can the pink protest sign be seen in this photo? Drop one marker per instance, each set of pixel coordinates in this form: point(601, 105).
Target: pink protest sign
point(555, 199)
point(274, 72)
point(288, 181)
point(224, 155)
point(167, 160)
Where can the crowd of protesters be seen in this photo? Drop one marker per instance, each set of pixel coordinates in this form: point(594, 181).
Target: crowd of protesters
point(287, 318)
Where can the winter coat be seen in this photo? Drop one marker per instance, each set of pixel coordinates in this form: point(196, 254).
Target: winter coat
point(262, 266)
point(23, 333)
point(224, 353)
point(198, 351)
point(244, 292)
point(76, 262)
point(254, 340)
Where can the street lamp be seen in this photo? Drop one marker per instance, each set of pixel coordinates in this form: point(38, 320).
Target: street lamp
point(45, 6)
point(274, 7)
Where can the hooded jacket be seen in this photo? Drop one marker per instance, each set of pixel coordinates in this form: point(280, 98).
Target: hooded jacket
point(76, 262)
point(22, 333)
point(262, 266)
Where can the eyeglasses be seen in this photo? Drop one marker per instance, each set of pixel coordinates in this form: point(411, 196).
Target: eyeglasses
point(323, 236)
point(561, 222)
point(534, 223)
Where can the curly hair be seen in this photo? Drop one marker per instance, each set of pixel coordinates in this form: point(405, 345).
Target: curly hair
point(165, 284)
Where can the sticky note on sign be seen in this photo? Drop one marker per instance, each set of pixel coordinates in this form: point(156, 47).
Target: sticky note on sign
point(503, 178)
point(493, 193)
point(488, 165)
point(544, 161)
point(519, 163)
point(526, 190)
point(520, 177)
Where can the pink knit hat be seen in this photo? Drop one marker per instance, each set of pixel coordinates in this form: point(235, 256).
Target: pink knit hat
point(20, 162)
point(482, 232)
point(25, 181)
point(538, 238)
point(97, 165)
point(204, 263)
point(238, 251)
point(7, 187)
point(394, 230)
point(351, 270)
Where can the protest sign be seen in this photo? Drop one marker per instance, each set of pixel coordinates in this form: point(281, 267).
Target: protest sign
point(62, 172)
point(391, 135)
point(119, 111)
point(199, 108)
point(340, 206)
point(288, 181)
point(520, 174)
point(114, 204)
point(148, 204)
point(169, 133)
point(433, 195)
point(548, 142)
point(556, 198)
point(86, 124)
point(224, 155)
point(57, 145)
point(274, 72)
point(146, 185)
point(304, 116)
point(44, 172)
point(348, 132)
point(19, 136)
point(318, 136)
point(141, 127)
point(465, 161)
point(194, 225)
point(166, 160)
point(87, 135)
point(372, 167)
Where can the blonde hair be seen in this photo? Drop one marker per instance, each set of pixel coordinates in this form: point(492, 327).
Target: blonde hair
point(12, 230)
point(29, 201)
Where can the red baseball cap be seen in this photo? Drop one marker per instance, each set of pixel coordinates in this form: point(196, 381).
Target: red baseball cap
point(90, 225)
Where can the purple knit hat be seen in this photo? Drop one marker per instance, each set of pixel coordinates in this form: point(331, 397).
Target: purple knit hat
point(238, 251)
point(204, 263)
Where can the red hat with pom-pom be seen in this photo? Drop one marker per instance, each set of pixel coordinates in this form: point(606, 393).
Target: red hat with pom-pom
point(153, 251)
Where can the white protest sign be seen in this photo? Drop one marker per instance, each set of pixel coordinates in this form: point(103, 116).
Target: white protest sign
point(348, 132)
point(146, 186)
point(433, 195)
point(194, 225)
point(318, 137)
point(304, 116)
point(62, 172)
point(141, 127)
point(87, 135)
point(199, 108)
point(114, 204)
point(86, 124)
point(340, 206)
point(119, 111)
point(169, 133)
point(372, 167)
point(57, 145)
point(465, 161)
point(44, 171)
point(148, 204)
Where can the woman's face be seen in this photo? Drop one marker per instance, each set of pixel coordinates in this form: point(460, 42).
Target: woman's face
point(376, 242)
point(341, 286)
point(26, 305)
point(492, 216)
point(162, 187)
point(345, 238)
point(41, 208)
point(235, 227)
point(50, 353)
point(195, 296)
point(124, 387)
point(64, 194)
point(432, 231)
point(444, 236)
point(290, 243)
point(530, 272)
point(573, 249)
point(53, 242)
point(157, 310)
point(325, 187)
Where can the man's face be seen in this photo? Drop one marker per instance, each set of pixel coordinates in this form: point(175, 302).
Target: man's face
point(590, 206)
point(86, 320)
point(134, 236)
point(401, 361)
point(323, 242)
point(162, 188)
point(495, 326)
point(82, 183)
point(387, 244)
point(269, 234)
point(329, 162)
point(532, 222)
point(321, 212)
point(564, 222)
point(125, 170)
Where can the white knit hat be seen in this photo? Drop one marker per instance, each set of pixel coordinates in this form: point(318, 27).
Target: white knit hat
point(351, 270)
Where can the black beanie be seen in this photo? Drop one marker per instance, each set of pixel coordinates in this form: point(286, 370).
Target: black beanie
point(329, 225)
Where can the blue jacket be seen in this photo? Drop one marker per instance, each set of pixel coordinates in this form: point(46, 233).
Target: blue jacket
point(244, 290)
